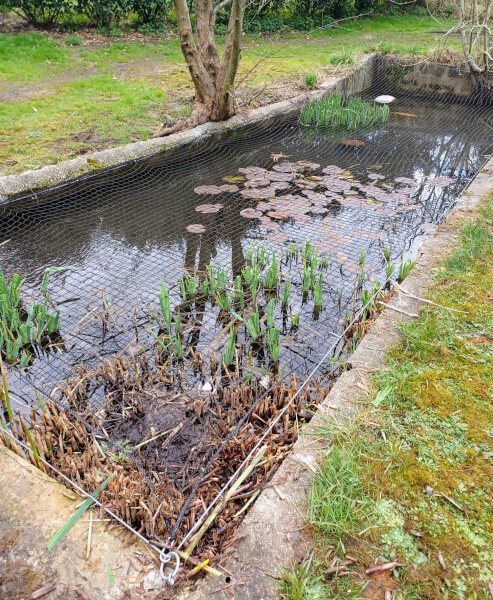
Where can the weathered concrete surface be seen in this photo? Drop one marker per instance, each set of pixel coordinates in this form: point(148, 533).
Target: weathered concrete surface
point(13, 185)
point(33, 508)
point(275, 530)
point(436, 79)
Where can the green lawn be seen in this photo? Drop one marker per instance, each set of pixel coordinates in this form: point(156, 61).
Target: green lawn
point(62, 99)
point(411, 479)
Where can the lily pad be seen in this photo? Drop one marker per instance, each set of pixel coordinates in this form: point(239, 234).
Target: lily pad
point(258, 193)
point(406, 180)
point(234, 178)
point(375, 176)
point(195, 228)
point(250, 213)
point(210, 190)
point(332, 170)
point(207, 209)
point(257, 182)
point(231, 188)
point(306, 165)
point(249, 170)
point(280, 185)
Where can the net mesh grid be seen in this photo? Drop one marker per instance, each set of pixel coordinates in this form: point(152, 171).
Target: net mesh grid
point(123, 231)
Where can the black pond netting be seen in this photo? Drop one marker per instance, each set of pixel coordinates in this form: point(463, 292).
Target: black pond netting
point(363, 200)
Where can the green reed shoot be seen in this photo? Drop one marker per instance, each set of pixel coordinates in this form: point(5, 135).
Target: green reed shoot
point(229, 349)
point(274, 344)
point(239, 294)
point(292, 251)
point(306, 282)
point(318, 291)
point(404, 269)
point(223, 300)
point(270, 313)
point(389, 270)
point(253, 325)
point(272, 275)
point(165, 307)
point(295, 320)
point(362, 258)
point(325, 262)
point(178, 324)
point(387, 252)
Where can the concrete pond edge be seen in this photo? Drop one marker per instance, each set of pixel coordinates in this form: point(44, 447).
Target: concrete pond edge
point(12, 186)
point(271, 536)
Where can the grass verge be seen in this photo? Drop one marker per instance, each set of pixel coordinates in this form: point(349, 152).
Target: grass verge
point(411, 479)
point(52, 89)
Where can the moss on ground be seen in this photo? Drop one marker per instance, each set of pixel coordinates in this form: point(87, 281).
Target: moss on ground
point(420, 474)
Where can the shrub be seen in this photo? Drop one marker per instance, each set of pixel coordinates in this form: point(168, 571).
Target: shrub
point(151, 12)
point(103, 13)
point(40, 13)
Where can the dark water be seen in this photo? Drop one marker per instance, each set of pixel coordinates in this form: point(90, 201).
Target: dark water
point(123, 232)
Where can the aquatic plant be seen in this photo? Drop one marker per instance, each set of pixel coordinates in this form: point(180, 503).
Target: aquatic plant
point(295, 320)
point(306, 282)
point(387, 252)
point(292, 251)
point(272, 275)
point(22, 328)
point(273, 344)
point(223, 300)
point(336, 111)
point(253, 325)
point(389, 270)
point(318, 292)
point(405, 269)
point(325, 262)
point(229, 349)
point(165, 307)
point(362, 258)
point(270, 313)
point(239, 294)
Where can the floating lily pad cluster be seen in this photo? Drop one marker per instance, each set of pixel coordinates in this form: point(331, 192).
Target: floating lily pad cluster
point(302, 193)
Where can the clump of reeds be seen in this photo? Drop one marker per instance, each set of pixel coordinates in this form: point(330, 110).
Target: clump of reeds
point(336, 111)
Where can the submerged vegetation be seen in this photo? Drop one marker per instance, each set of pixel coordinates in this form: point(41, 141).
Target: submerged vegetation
point(413, 471)
point(336, 111)
point(26, 329)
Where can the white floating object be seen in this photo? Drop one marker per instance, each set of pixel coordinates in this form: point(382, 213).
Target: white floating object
point(384, 99)
point(206, 387)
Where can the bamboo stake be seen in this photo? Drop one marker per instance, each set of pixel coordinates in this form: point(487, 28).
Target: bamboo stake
point(214, 513)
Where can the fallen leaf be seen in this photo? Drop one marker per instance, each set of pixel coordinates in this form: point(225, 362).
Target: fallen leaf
point(353, 143)
point(195, 228)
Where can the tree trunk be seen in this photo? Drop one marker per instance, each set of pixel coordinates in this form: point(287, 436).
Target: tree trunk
point(212, 78)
